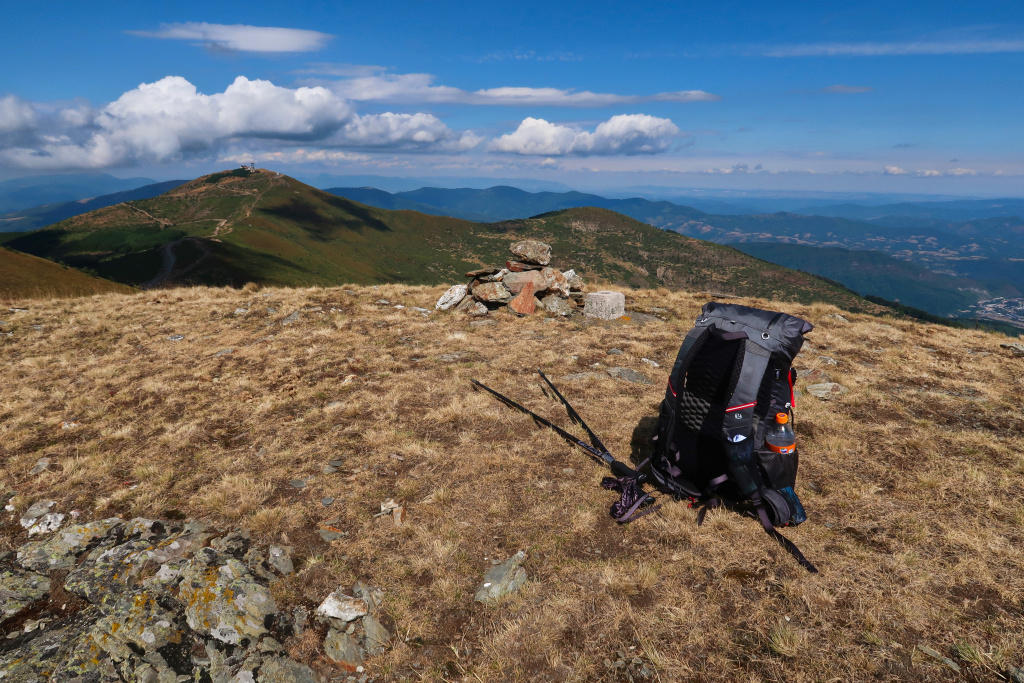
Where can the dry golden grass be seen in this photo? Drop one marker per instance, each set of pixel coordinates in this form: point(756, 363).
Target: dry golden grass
point(911, 481)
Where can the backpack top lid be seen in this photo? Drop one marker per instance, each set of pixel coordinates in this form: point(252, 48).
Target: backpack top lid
point(780, 333)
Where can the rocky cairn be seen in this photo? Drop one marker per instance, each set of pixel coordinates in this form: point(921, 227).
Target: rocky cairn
point(526, 285)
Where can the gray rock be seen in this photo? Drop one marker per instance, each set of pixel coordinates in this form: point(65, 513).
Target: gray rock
point(235, 543)
point(176, 337)
point(453, 297)
point(826, 390)
point(290, 319)
point(614, 352)
point(374, 597)
point(629, 375)
point(335, 463)
point(454, 356)
point(19, 589)
point(298, 483)
point(1017, 674)
point(936, 655)
point(376, 636)
point(605, 305)
point(338, 608)
point(224, 352)
point(481, 273)
point(575, 281)
point(225, 602)
point(331, 535)
point(471, 306)
point(326, 501)
point(343, 649)
point(1016, 348)
point(41, 466)
point(814, 376)
point(516, 282)
point(502, 580)
point(279, 557)
point(836, 316)
point(576, 376)
point(284, 670)
point(556, 305)
point(555, 282)
point(329, 469)
point(35, 662)
point(532, 251)
point(61, 550)
point(39, 520)
point(828, 361)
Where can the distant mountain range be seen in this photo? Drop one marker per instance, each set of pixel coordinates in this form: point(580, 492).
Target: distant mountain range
point(41, 216)
point(32, 191)
point(983, 254)
point(234, 227)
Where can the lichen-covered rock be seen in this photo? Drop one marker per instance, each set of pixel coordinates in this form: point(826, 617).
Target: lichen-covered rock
point(225, 602)
point(374, 597)
point(532, 251)
point(35, 660)
point(284, 670)
point(39, 520)
point(343, 649)
point(279, 558)
point(19, 589)
point(556, 305)
point(235, 544)
point(503, 579)
point(471, 306)
point(61, 550)
point(375, 636)
point(575, 281)
point(555, 281)
point(492, 292)
point(452, 298)
point(516, 282)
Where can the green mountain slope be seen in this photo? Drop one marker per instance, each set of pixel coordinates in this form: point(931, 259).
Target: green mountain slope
point(40, 216)
point(23, 276)
point(235, 227)
point(872, 272)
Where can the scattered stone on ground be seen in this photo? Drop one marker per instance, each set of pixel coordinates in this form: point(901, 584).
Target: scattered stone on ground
point(826, 390)
point(1016, 348)
point(151, 597)
point(471, 306)
point(585, 375)
point(605, 305)
point(936, 655)
point(42, 464)
point(327, 501)
point(828, 361)
point(225, 352)
point(653, 364)
point(614, 352)
point(815, 376)
point(39, 520)
point(292, 318)
point(503, 579)
point(629, 375)
point(176, 337)
point(298, 483)
point(335, 463)
point(454, 356)
point(453, 297)
point(483, 323)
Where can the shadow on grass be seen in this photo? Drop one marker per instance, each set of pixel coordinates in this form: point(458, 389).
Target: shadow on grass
point(322, 227)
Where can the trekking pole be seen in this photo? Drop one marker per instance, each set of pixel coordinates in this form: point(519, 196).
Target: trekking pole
point(629, 482)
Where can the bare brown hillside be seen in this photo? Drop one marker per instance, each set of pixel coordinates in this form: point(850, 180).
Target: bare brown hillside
point(912, 480)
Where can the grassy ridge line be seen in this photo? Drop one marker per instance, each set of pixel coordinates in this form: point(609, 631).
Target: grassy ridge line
point(274, 230)
point(23, 276)
point(911, 480)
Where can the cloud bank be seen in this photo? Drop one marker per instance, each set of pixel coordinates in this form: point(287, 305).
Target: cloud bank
point(170, 120)
point(626, 134)
point(240, 37)
point(419, 89)
point(962, 47)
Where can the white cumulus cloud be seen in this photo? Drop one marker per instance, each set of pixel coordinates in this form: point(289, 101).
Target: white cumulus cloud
point(242, 38)
point(626, 134)
point(170, 119)
point(927, 173)
point(15, 114)
point(894, 170)
point(961, 171)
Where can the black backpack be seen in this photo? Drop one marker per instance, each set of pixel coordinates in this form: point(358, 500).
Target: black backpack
point(733, 374)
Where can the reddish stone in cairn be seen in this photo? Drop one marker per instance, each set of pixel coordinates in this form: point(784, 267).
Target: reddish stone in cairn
point(519, 266)
point(524, 303)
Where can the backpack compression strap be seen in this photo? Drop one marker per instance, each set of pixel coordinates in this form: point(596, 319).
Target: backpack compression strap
point(770, 529)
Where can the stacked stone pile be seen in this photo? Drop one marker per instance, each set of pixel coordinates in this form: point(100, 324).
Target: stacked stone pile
point(525, 285)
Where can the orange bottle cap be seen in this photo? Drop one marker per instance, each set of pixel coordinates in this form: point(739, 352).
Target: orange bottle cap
point(782, 418)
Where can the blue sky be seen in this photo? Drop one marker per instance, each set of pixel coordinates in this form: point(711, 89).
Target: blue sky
point(915, 97)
